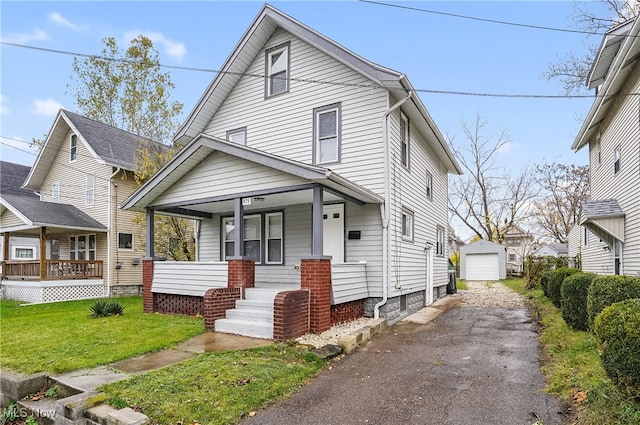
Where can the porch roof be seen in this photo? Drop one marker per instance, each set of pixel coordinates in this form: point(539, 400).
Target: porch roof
point(203, 145)
point(35, 213)
point(604, 218)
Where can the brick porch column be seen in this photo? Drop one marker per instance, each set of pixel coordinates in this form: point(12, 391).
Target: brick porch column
point(315, 275)
point(147, 279)
point(241, 272)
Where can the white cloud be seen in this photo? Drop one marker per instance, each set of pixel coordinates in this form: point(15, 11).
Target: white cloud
point(506, 148)
point(58, 19)
point(23, 38)
point(4, 108)
point(173, 49)
point(47, 107)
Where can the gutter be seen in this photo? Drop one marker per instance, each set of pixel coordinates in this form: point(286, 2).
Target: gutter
point(385, 209)
point(111, 212)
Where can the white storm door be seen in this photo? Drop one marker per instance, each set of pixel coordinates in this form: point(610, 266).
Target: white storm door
point(333, 232)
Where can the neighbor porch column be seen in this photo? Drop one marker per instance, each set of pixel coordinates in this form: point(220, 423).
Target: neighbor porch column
point(147, 263)
point(43, 253)
point(150, 234)
point(5, 246)
point(241, 270)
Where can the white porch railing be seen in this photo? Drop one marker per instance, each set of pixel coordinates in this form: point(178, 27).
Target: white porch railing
point(348, 282)
point(188, 277)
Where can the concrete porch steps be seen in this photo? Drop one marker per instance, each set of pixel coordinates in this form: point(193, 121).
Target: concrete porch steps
point(253, 316)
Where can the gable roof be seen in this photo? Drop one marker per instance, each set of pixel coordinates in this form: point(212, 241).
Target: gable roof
point(107, 144)
point(36, 213)
point(620, 48)
point(254, 40)
point(12, 176)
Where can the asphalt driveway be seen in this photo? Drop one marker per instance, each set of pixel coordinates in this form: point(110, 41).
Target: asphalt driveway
point(471, 365)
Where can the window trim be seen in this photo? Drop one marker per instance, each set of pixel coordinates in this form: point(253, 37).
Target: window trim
point(132, 241)
point(337, 107)
point(240, 130)
point(17, 247)
point(405, 140)
point(429, 186)
point(263, 236)
point(73, 148)
point(55, 192)
point(440, 240)
point(406, 212)
point(267, 69)
point(90, 190)
point(617, 154)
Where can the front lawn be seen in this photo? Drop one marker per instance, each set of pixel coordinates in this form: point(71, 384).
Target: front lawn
point(60, 337)
point(217, 388)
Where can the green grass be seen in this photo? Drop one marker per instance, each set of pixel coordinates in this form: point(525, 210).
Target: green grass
point(462, 285)
point(61, 337)
point(572, 364)
point(217, 388)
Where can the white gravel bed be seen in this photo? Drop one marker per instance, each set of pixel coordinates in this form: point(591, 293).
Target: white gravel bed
point(490, 294)
point(333, 335)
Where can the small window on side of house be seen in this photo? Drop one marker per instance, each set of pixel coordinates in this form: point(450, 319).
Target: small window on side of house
point(73, 148)
point(585, 236)
point(429, 186)
point(512, 257)
point(90, 190)
point(326, 134)
point(55, 193)
point(277, 70)
point(404, 140)
point(616, 160)
point(598, 151)
point(440, 241)
point(407, 224)
point(125, 241)
point(239, 136)
point(24, 253)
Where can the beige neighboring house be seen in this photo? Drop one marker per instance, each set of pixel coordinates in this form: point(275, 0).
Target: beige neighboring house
point(86, 245)
point(520, 244)
point(607, 239)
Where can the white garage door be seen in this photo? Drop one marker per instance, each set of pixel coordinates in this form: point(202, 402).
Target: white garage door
point(483, 267)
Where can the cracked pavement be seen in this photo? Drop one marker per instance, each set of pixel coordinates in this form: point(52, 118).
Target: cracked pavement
point(471, 365)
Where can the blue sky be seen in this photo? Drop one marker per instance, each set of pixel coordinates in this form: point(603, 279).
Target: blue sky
point(436, 52)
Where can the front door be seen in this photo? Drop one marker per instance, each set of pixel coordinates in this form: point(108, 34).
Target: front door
point(333, 232)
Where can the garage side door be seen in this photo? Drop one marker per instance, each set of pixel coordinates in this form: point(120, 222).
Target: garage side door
point(483, 267)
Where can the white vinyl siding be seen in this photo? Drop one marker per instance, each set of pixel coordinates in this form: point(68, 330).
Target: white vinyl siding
point(283, 125)
point(195, 278)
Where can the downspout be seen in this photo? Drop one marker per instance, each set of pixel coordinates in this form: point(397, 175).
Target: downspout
point(385, 210)
point(109, 247)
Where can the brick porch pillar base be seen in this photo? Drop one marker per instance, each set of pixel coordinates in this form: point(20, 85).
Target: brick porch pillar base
point(147, 279)
point(315, 275)
point(241, 272)
point(216, 303)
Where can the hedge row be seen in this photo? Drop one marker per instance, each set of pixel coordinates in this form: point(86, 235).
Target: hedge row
point(573, 293)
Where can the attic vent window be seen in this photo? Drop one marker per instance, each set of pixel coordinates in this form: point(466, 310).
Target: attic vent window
point(277, 70)
point(74, 147)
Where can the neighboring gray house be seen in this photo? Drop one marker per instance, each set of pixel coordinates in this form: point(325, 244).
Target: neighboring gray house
point(354, 170)
point(519, 245)
point(609, 229)
point(86, 245)
point(483, 260)
point(552, 250)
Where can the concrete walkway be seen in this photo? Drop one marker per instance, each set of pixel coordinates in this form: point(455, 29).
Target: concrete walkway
point(469, 365)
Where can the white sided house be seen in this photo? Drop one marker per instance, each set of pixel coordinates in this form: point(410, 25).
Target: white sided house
point(609, 232)
point(483, 260)
point(324, 182)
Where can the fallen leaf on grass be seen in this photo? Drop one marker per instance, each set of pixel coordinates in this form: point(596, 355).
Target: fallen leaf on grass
point(579, 396)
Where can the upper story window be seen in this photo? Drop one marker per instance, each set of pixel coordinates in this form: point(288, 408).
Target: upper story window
point(616, 160)
point(74, 148)
point(407, 224)
point(239, 136)
point(55, 192)
point(277, 70)
point(326, 134)
point(429, 186)
point(90, 190)
point(404, 139)
point(440, 241)
point(598, 156)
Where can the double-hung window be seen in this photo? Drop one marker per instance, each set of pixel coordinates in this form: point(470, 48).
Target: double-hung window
point(90, 190)
point(82, 247)
point(55, 192)
point(440, 241)
point(407, 224)
point(73, 148)
point(326, 134)
point(238, 136)
point(263, 237)
point(404, 139)
point(277, 70)
point(429, 190)
point(616, 160)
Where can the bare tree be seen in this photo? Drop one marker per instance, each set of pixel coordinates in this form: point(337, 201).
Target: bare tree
point(571, 68)
point(564, 187)
point(487, 198)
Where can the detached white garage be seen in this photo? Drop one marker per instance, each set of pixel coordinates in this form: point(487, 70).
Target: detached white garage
point(483, 260)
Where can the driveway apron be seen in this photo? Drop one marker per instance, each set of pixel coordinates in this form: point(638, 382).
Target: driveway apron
point(471, 365)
